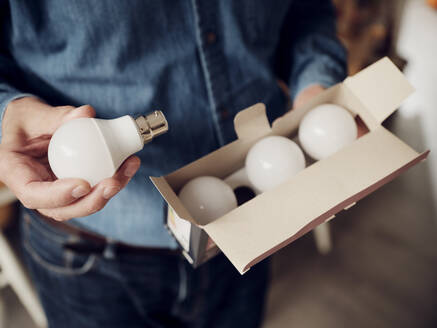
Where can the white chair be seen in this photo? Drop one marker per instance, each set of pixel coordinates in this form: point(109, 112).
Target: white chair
point(322, 237)
point(13, 274)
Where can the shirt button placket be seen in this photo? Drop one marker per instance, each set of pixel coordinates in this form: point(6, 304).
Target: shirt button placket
point(211, 37)
point(212, 59)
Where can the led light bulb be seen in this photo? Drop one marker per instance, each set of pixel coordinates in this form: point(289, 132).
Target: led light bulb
point(207, 198)
point(325, 130)
point(93, 149)
point(272, 161)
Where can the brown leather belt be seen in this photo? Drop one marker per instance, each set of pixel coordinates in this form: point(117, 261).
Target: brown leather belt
point(89, 242)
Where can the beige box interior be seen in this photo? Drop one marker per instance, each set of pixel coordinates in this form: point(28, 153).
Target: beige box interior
point(275, 218)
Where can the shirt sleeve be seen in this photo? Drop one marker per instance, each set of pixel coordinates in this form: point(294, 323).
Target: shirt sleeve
point(314, 53)
point(9, 71)
point(6, 98)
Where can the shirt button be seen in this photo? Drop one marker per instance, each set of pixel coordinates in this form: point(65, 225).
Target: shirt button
point(211, 37)
point(224, 114)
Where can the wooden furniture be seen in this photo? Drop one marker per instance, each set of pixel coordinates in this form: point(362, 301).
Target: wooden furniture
point(369, 30)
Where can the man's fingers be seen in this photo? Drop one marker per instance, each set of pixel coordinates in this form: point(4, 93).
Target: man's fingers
point(88, 205)
point(64, 114)
point(31, 181)
point(40, 118)
point(53, 117)
point(52, 194)
point(82, 111)
point(48, 119)
point(307, 94)
point(127, 170)
point(99, 196)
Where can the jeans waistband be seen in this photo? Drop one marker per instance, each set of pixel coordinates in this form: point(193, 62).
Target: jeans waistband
point(89, 242)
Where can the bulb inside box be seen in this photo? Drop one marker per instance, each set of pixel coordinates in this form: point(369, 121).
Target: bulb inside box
point(270, 162)
point(325, 130)
point(207, 198)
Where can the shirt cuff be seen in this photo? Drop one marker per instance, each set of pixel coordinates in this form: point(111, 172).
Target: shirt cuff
point(5, 102)
point(325, 77)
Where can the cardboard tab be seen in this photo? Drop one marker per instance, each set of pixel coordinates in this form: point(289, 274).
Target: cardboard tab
point(275, 218)
point(330, 218)
point(350, 206)
point(381, 88)
point(252, 122)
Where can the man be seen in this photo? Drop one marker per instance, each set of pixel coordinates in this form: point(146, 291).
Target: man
point(100, 256)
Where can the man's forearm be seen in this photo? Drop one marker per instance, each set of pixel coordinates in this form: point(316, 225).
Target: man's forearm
point(317, 55)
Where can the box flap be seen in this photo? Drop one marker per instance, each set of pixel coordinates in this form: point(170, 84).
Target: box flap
point(381, 88)
point(252, 122)
point(273, 219)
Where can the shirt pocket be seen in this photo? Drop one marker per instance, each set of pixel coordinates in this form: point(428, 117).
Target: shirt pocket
point(45, 248)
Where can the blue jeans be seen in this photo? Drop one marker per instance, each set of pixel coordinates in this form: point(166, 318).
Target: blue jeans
point(142, 290)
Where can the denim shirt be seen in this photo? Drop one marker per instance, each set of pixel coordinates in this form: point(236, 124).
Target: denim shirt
point(200, 62)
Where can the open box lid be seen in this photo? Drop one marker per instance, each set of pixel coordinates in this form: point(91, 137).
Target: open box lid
point(380, 88)
point(275, 218)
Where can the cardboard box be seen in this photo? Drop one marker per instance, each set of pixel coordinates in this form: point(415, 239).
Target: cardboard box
point(197, 246)
point(273, 219)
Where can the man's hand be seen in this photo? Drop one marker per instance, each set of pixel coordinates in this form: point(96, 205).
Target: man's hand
point(27, 127)
point(306, 94)
point(313, 90)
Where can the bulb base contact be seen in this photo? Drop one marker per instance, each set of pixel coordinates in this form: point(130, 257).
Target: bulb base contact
point(151, 125)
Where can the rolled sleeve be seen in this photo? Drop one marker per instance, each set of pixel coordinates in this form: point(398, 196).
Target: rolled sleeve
point(317, 56)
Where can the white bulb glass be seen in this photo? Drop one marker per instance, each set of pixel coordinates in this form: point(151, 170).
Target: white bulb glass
point(325, 130)
point(272, 161)
point(93, 149)
point(207, 198)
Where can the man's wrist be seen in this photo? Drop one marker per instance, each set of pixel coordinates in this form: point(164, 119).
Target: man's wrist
point(307, 93)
